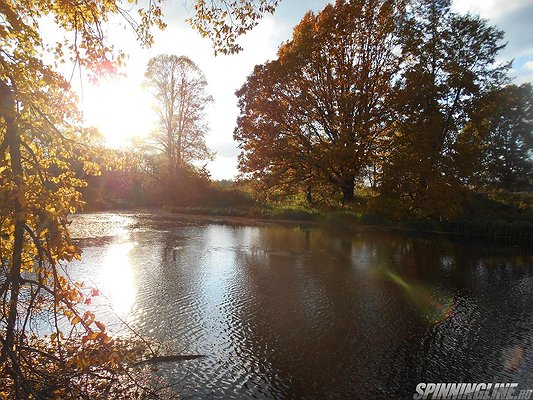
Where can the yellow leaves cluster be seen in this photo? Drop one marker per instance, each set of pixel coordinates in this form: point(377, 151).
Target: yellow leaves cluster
point(223, 21)
point(91, 168)
point(39, 189)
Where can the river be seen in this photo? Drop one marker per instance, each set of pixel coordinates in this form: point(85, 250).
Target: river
point(293, 312)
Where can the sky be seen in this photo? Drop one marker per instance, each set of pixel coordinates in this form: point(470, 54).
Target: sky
point(121, 109)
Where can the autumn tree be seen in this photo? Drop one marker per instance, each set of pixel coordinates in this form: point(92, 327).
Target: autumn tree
point(315, 115)
point(505, 122)
point(450, 61)
point(179, 89)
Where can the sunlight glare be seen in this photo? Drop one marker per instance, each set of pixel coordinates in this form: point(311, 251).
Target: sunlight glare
point(117, 276)
point(120, 109)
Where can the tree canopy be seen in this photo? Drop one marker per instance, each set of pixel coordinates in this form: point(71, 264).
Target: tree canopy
point(449, 63)
point(223, 21)
point(315, 115)
point(504, 118)
point(405, 96)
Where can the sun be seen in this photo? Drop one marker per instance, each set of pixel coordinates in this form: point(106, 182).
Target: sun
point(120, 109)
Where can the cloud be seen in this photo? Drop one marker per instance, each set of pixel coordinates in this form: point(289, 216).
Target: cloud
point(522, 70)
point(519, 34)
point(514, 18)
point(223, 168)
point(489, 9)
point(518, 28)
point(225, 148)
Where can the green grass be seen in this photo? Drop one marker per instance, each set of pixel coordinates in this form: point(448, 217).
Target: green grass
point(490, 216)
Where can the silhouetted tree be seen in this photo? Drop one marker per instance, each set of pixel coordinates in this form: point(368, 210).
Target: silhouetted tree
point(179, 89)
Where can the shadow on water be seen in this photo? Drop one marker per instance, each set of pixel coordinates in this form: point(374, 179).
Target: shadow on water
point(286, 312)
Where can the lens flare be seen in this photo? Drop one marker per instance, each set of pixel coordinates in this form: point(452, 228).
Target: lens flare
point(434, 305)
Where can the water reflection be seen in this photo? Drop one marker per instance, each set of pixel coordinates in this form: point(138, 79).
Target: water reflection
point(288, 312)
point(117, 278)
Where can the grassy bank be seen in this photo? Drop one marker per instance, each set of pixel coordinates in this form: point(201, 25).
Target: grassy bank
point(482, 216)
point(496, 215)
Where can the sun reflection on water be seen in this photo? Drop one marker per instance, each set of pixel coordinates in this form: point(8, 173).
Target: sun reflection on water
point(117, 277)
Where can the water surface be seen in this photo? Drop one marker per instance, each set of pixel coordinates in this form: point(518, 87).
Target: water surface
point(291, 312)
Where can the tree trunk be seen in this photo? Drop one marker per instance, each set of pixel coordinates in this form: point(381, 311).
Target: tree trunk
point(8, 111)
point(309, 195)
point(347, 188)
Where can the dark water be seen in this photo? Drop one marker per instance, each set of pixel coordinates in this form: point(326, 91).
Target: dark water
point(288, 312)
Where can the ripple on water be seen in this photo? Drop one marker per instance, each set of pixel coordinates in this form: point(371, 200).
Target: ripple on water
point(287, 313)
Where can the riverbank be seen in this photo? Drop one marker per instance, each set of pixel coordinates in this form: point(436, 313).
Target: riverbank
point(476, 222)
point(495, 216)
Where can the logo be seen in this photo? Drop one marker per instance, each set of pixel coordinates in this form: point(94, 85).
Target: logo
point(483, 391)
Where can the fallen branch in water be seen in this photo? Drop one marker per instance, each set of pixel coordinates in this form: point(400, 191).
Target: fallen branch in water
point(170, 358)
